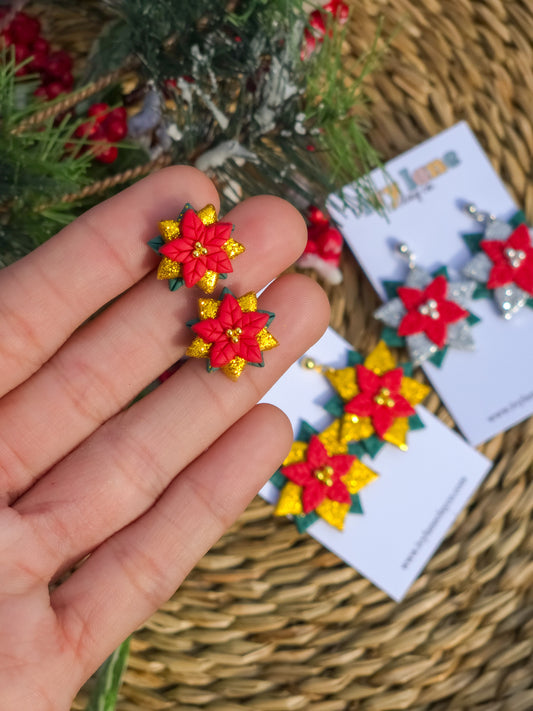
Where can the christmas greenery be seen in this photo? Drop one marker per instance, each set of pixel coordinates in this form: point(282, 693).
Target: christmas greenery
point(230, 87)
point(35, 169)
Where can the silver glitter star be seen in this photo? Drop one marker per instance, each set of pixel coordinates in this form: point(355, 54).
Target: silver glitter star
point(509, 299)
point(420, 347)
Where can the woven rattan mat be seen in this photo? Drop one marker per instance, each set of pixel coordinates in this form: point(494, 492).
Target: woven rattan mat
point(270, 620)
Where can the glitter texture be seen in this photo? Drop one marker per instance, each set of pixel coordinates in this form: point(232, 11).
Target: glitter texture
point(344, 382)
point(333, 512)
point(290, 500)
point(358, 477)
point(168, 269)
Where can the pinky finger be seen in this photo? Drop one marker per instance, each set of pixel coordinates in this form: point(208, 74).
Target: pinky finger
point(137, 569)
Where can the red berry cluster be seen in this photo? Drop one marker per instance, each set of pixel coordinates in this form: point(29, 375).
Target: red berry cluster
point(54, 68)
point(318, 20)
point(104, 125)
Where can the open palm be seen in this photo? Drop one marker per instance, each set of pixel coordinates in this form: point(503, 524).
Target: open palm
point(143, 492)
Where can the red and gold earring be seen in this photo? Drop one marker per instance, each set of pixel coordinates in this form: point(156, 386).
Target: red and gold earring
point(196, 249)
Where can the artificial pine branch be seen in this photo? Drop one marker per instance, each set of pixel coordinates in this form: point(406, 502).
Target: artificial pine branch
point(247, 107)
point(35, 169)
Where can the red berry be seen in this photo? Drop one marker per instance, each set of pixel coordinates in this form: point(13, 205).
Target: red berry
point(41, 92)
point(41, 45)
point(316, 20)
point(54, 89)
point(24, 29)
point(98, 111)
point(108, 155)
point(118, 113)
point(86, 130)
point(39, 61)
point(21, 53)
point(115, 129)
point(58, 64)
point(317, 217)
point(67, 80)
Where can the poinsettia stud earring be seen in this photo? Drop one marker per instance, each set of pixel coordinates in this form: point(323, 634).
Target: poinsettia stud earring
point(195, 249)
point(428, 313)
point(502, 264)
point(231, 332)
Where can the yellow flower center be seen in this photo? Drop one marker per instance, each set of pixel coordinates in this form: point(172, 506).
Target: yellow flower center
point(234, 334)
point(384, 398)
point(199, 250)
point(325, 475)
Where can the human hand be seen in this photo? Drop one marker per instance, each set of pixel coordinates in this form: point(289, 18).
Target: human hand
point(145, 490)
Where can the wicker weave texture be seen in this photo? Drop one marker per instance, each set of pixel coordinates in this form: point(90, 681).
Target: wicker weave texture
point(271, 621)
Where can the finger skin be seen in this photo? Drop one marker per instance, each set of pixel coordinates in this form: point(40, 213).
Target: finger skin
point(104, 365)
point(90, 262)
point(117, 474)
point(140, 567)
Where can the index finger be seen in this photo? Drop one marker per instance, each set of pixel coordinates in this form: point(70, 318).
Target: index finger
point(46, 295)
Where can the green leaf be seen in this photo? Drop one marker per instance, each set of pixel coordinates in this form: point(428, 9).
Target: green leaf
point(278, 479)
point(529, 303)
point(356, 449)
point(356, 507)
point(438, 357)
point(303, 521)
point(355, 358)
point(443, 271)
point(415, 423)
point(472, 319)
point(518, 218)
point(481, 292)
point(335, 406)
point(175, 284)
point(108, 678)
point(156, 242)
point(372, 445)
point(472, 241)
point(407, 369)
point(391, 288)
point(305, 432)
point(391, 337)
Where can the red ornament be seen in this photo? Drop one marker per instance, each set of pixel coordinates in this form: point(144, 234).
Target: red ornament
point(107, 155)
point(512, 259)
point(199, 248)
point(24, 29)
point(320, 476)
point(233, 333)
point(322, 239)
point(379, 398)
point(98, 111)
point(429, 312)
point(318, 22)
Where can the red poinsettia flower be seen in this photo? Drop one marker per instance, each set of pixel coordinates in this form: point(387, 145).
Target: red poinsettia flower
point(379, 398)
point(429, 312)
point(233, 333)
point(513, 260)
point(199, 248)
point(320, 476)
